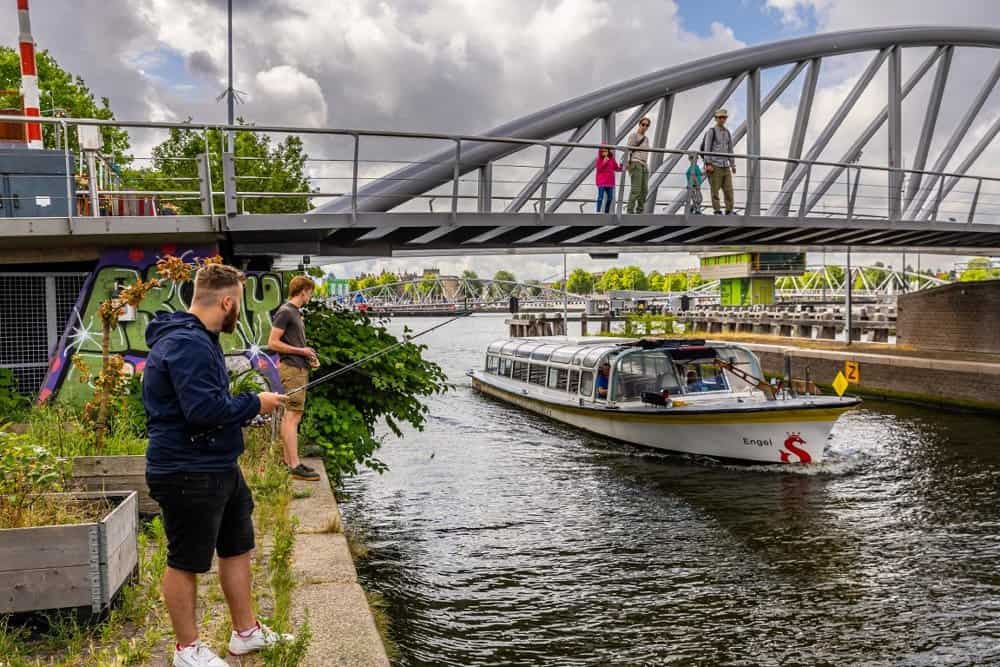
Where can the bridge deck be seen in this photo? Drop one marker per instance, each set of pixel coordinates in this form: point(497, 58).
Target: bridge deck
point(386, 234)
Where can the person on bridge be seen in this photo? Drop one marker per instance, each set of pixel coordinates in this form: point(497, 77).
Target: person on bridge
point(606, 167)
point(195, 439)
point(720, 168)
point(288, 339)
point(694, 179)
point(638, 170)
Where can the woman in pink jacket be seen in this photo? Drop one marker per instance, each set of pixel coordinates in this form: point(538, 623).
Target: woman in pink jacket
point(606, 168)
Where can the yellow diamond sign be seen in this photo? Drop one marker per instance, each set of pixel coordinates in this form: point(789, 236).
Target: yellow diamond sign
point(840, 384)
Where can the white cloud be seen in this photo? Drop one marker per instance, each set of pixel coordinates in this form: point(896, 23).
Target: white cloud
point(295, 91)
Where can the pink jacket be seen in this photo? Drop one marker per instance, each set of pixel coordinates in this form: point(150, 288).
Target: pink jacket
point(606, 168)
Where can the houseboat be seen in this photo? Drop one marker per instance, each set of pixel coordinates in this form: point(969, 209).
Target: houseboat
point(705, 399)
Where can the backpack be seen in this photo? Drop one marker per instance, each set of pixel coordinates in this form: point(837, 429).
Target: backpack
point(706, 145)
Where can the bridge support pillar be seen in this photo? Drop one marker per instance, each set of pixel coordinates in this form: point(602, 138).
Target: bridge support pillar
point(753, 142)
point(485, 200)
point(583, 323)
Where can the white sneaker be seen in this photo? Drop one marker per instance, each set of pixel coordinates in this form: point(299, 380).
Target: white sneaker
point(259, 638)
point(198, 655)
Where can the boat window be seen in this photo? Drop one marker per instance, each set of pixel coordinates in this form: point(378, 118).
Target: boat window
point(642, 371)
point(543, 352)
point(495, 346)
point(743, 359)
point(505, 366)
point(536, 375)
point(574, 382)
point(508, 348)
point(492, 363)
point(557, 378)
point(587, 383)
point(700, 375)
point(520, 371)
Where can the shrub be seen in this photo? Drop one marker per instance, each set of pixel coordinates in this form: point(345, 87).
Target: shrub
point(341, 415)
point(12, 403)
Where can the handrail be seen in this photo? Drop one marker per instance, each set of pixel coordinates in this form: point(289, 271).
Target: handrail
point(436, 136)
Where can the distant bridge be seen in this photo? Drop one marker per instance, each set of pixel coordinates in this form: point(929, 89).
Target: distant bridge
point(524, 186)
point(437, 293)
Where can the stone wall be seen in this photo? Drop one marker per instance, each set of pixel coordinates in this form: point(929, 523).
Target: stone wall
point(962, 317)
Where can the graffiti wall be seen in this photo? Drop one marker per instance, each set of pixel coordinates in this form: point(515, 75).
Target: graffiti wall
point(243, 348)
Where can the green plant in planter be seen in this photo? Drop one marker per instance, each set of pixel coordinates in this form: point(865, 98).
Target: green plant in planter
point(341, 414)
point(12, 404)
point(26, 472)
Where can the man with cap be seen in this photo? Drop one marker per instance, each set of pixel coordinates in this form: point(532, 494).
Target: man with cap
point(721, 169)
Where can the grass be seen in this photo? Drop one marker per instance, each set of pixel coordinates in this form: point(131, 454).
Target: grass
point(59, 429)
point(136, 631)
point(383, 623)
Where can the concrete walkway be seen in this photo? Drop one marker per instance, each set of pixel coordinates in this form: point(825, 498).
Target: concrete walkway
point(343, 629)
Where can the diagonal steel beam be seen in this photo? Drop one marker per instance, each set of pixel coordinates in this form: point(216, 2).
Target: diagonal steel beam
point(582, 174)
point(784, 198)
point(681, 197)
point(662, 130)
point(967, 163)
point(689, 138)
point(956, 139)
point(536, 181)
point(806, 98)
point(854, 151)
point(930, 123)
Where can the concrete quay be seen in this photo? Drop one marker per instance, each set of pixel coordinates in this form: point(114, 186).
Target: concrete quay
point(327, 589)
point(967, 382)
point(872, 324)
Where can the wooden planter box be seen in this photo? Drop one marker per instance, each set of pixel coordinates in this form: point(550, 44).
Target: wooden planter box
point(77, 565)
point(115, 473)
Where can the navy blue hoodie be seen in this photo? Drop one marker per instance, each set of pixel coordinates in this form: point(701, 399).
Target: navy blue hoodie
point(194, 424)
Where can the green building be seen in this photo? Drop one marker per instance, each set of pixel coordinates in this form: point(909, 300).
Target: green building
point(747, 278)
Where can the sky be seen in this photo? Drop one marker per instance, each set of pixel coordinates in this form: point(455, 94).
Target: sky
point(467, 66)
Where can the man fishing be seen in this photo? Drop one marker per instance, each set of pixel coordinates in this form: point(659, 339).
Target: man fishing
point(195, 439)
point(288, 339)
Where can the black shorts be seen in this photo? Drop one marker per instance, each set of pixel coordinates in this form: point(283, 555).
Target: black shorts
point(204, 512)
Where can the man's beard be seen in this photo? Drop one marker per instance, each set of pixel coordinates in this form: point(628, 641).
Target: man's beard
point(229, 322)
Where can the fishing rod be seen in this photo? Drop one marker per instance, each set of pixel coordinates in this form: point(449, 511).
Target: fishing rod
point(374, 355)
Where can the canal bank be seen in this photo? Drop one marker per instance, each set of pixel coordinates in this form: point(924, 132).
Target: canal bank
point(327, 593)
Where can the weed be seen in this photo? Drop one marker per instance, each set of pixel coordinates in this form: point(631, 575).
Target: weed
point(300, 494)
point(380, 612)
point(335, 524)
point(359, 550)
point(290, 654)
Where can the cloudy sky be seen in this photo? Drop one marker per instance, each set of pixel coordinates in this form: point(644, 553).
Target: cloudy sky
point(465, 65)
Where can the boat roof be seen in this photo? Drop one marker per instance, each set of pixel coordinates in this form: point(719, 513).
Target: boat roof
point(587, 350)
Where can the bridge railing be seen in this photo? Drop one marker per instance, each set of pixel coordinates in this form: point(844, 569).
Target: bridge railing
point(538, 177)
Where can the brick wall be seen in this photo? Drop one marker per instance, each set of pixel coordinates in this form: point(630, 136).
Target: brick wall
point(961, 384)
point(961, 316)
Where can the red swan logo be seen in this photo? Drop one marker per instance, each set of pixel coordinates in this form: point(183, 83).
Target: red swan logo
point(791, 441)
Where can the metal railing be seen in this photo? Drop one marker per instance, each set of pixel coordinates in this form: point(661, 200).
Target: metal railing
point(856, 192)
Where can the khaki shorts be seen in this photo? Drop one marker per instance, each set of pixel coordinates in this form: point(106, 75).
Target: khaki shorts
point(293, 377)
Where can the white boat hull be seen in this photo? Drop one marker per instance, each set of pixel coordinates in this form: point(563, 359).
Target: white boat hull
point(776, 434)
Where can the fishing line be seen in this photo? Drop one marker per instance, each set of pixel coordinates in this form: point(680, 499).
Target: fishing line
point(374, 355)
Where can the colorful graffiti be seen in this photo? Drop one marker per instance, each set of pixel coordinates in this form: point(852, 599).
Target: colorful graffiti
point(245, 348)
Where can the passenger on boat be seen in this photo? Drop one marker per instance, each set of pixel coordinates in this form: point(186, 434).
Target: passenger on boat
point(602, 380)
point(694, 382)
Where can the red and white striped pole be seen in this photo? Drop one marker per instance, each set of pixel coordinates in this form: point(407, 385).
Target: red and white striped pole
point(29, 74)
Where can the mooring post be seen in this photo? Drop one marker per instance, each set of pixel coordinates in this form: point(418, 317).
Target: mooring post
point(583, 323)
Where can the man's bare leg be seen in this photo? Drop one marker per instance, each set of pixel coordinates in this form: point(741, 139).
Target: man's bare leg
point(234, 576)
point(180, 593)
point(290, 437)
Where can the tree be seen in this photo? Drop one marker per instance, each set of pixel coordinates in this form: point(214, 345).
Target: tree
point(386, 278)
point(580, 281)
point(634, 278)
point(261, 166)
point(656, 281)
point(535, 287)
point(505, 275)
point(62, 94)
point(341, 416)
point(978, 268)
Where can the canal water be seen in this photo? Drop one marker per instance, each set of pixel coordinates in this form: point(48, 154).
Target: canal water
point(502, 538)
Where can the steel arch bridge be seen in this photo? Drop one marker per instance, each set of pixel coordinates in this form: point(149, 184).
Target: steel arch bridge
point(804, 198)
point(468, 293)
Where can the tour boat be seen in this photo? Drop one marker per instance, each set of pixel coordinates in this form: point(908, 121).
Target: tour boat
point(693, 397)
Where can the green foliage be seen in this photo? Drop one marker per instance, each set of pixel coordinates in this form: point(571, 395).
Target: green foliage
point(61, 430)
point(503, 274)
point(247, 382)
point(26, 472)
point(341, 414)
point(580, 281)
point(12, 403)
point(61, 90)
point(261, 166)
point(627, 278)
point(648, 324)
